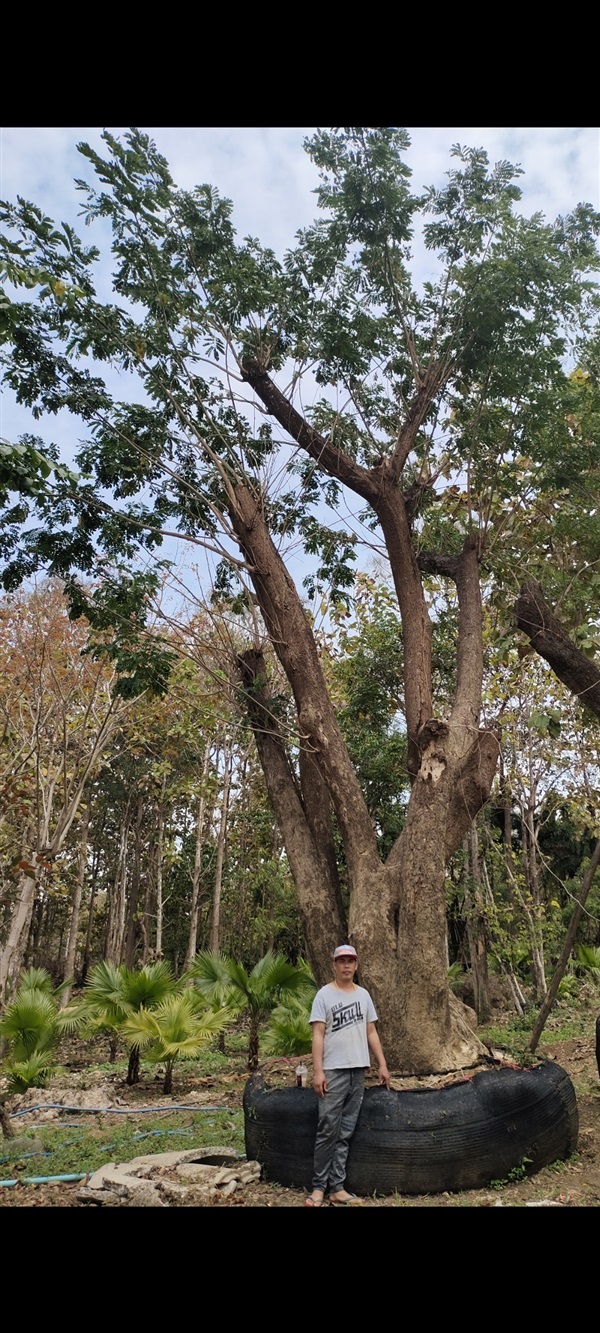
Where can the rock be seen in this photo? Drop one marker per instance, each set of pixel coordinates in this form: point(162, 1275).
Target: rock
point(141, 1182)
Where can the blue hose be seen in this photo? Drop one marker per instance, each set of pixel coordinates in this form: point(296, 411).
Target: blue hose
point(107, 1110)
point(114, 1110)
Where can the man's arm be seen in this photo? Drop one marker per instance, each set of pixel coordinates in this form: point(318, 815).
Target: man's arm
point(318, 1043)
point(376, 1051)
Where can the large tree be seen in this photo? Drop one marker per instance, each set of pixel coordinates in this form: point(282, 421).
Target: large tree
point(321, 398)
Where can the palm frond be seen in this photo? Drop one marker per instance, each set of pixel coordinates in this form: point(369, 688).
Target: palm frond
point(588, 957)
point(29, 1023)
point(176, 1029)
point(35, 978)
point(33, 1072)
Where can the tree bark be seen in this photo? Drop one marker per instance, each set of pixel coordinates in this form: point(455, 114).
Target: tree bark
point(550, 640)
point(11, 958)
point(306, 839)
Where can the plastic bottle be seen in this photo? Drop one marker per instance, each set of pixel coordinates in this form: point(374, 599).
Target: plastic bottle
point(301, 1072)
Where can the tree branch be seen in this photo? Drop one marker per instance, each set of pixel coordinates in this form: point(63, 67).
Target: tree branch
point(550, 640)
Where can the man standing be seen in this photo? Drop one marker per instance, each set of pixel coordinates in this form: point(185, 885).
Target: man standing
point(343, 1022)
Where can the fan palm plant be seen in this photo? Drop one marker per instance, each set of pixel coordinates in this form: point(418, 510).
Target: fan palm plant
point(588, 957)
point(289, 1031)
point(112, 994)
point(272, 981)
point(176, 1029)
point(31, 1026)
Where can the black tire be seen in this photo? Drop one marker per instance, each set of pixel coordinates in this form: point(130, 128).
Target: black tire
point(424, 1141)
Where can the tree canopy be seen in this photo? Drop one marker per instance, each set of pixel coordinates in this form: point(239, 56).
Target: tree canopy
point(324, 399)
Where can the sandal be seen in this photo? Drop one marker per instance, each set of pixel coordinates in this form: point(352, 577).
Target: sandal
point(342, 1203)
point(309, 1202)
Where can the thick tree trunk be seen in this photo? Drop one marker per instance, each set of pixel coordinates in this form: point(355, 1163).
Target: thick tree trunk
point(405, 955)
point(397, 916)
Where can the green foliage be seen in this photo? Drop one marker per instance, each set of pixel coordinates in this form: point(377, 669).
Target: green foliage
point(289, 1031)
point(588, 957)
point(31, 1026)
point(270, 982)
point(511, 299)
point(455, 974)
point(515, 1174)
point(177, 1028)
point(113, 994)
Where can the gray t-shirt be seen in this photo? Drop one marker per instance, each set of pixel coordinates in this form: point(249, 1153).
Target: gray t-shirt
point(345, 1015)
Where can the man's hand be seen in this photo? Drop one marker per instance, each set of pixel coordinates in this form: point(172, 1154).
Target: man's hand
point(319, 1084)
point(384, 1075)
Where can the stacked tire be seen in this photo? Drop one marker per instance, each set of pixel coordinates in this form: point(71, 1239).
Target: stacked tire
point(423, 1141)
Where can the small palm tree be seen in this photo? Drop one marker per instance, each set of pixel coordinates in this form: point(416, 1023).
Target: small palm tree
point(112, 994)
point(31, 1026)
point(272, 981)
point(177, 1029)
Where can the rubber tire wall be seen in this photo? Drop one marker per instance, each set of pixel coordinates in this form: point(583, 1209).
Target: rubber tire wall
point(423, 1141)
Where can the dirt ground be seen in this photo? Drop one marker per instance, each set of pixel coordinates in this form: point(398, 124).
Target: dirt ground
point(574, 1183)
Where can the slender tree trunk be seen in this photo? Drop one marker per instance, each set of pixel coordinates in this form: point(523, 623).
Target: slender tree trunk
point(517, 996)
point(530, 862)
point(477, 932)
point(196, 901)
point(319, 899)
point(7, 1128)
point(133, 929)
point(133, 1067)
point(69, 968)
point(116, 913)
point(253, 1043)
point(11, 957)
point(215, 927)
point(159, 868)
point(565, 952)
point(88, 935)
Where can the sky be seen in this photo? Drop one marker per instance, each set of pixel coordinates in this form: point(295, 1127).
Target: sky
point(271, 180)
